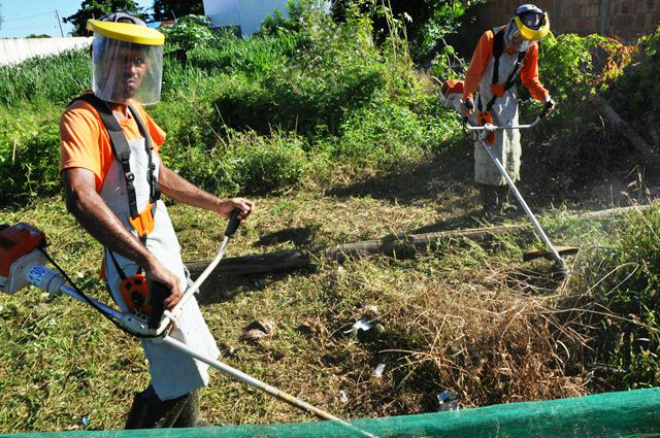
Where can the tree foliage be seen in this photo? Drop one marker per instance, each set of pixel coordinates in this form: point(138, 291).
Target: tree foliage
point(96, 9)
point(189, 32)
point(427, 22)
point(172, 9)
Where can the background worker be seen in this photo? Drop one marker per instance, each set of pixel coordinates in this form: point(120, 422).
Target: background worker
point(112, 176)
point(502, 55)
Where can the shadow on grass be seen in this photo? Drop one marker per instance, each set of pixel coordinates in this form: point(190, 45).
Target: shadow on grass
point(299, 236)
point(221, 288)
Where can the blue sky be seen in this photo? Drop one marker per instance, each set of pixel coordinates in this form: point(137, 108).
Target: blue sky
point(24, 17)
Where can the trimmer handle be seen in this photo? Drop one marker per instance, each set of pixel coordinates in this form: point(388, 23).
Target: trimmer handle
point(546, 110)
point(233, 224)
point(158, 293)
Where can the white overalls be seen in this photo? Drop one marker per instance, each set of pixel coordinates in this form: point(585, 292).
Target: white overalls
point(507, 146)
point(173, 373)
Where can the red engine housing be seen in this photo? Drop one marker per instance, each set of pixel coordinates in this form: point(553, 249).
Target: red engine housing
point(15, 242)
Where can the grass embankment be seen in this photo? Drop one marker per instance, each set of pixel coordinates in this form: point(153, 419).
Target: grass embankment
point(350, 143)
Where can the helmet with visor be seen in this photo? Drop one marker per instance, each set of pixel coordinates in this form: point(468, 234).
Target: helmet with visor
point(532, 23)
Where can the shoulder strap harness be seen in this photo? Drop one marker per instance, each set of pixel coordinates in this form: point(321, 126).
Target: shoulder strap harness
point(142, 222)
point(497, 89)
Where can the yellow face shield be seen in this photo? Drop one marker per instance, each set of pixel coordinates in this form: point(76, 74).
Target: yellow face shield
point(127, 62)
point(532, 34)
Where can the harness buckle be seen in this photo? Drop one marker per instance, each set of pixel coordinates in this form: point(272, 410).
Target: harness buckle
point(130, 177)
point(144, 224)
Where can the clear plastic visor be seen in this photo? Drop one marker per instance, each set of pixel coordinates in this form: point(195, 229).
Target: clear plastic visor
point(123, 71)
point(532, 20)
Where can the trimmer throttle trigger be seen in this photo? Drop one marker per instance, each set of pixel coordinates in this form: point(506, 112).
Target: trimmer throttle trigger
point(233, 224)
point(158, 293)
point(546, 110)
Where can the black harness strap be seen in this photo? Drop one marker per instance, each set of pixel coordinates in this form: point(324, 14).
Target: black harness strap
point(498, 49)
point(154, 188)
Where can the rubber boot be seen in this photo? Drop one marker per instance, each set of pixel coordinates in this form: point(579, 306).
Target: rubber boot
point(138, 413)
point(189, 415)
point(149, 412)
point(507, 201)
point(489, 199)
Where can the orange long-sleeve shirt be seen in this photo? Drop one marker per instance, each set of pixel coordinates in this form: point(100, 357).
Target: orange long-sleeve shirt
point(529, 74)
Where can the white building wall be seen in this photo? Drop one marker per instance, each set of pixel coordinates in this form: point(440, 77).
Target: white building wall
point(15, 50)
point(248, 14)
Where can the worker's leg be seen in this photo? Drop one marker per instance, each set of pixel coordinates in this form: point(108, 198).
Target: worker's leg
point(149, 412)
point(189, 416)
point(488, 198)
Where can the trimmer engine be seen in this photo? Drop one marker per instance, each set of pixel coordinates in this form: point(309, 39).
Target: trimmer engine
point(19, 252)
point(451, 94)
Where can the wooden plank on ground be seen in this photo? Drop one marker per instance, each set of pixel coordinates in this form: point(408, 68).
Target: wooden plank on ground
point(401, 246)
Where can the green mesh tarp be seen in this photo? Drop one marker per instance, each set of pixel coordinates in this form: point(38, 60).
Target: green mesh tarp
point(632, 414)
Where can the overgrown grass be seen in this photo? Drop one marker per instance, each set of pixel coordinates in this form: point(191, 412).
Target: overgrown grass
point(258, 115)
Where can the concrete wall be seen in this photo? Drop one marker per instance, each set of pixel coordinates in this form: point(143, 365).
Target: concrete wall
point(15, 50)
point(625, 19)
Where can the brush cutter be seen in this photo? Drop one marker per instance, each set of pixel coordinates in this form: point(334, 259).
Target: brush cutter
point(488, 129)
point(23, 260)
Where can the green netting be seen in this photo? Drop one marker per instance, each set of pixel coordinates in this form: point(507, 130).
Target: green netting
point(632, 414)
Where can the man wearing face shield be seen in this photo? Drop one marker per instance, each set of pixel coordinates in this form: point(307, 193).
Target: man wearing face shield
point(502, 55)
point(113, 177)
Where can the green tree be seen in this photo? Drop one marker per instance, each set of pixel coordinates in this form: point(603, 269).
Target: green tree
point(172, 9)
point(96, 9)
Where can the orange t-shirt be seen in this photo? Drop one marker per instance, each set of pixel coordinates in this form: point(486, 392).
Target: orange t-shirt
point(529, 74)
point(85, 143)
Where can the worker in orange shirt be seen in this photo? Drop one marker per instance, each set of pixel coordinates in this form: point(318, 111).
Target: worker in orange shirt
point(113, 177)
point(502, 55)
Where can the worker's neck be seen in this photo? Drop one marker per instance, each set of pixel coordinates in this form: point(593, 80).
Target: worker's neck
point(120, 108)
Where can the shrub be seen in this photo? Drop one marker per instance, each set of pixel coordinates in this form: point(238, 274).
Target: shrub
point(267, 164)
point(29, 157)
point(579, 66)
point(385, 134)
point(624, 281)
point(253, 57)
point(189, 32)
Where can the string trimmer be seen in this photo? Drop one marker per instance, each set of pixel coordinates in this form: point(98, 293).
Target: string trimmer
point(451, 95)
point(23, 260)
point(482, 133)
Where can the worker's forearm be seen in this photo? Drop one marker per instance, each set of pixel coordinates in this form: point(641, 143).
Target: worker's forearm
point(180, 189)
point(97, 218)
